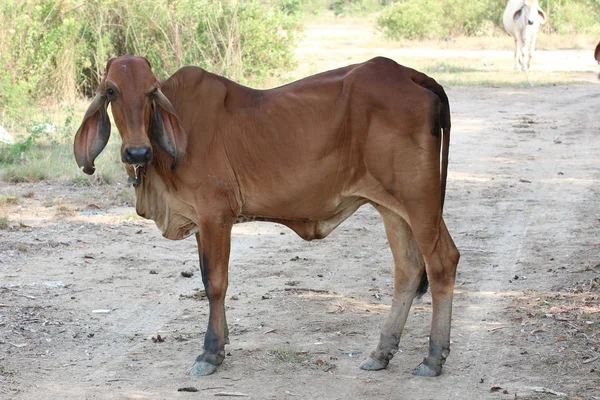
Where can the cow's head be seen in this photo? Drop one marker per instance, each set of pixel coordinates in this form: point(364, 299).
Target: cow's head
point(533, 13)
point(141, 112)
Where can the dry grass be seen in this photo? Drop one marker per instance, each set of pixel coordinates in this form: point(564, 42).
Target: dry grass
point(8, 200)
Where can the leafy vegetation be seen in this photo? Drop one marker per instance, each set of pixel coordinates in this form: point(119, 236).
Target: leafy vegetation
point(59, 48)
point(353, 7)
point(429, 19)
point(55, 51)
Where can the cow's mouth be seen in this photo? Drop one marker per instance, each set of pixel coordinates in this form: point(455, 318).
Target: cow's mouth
point(140, 173)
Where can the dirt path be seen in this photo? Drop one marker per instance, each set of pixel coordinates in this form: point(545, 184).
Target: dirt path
point(85, 285)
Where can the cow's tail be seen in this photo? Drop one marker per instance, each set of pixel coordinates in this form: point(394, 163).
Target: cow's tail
point(443, 123)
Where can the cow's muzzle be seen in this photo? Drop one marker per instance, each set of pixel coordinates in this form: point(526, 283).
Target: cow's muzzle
point(137, 155)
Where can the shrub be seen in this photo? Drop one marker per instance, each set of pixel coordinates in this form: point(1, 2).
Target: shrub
point(407, 20)
point(352, 7)
point(59, 48)
point(464, 17)
point(291, 7)
point(416, 19)
point(574, 18)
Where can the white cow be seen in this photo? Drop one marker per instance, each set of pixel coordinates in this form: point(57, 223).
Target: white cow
point(522, 18)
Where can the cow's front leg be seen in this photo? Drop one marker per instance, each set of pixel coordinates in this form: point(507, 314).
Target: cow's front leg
point(521, 53)
point(214, 238)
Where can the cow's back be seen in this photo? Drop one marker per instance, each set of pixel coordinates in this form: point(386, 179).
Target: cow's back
point(304, 141)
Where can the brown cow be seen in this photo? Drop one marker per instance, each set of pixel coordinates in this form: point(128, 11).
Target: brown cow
point(597, 53)
point(205, 152)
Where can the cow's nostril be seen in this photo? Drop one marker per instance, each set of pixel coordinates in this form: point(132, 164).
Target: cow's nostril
point(138, 155)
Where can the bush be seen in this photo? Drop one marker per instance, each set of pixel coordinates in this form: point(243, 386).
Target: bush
point(465, 17)
point(291, 7)
point(352, 7)
point(407, 20)
point(59, 48)
point(244, 41)
point(416, 19)
point(574, 18)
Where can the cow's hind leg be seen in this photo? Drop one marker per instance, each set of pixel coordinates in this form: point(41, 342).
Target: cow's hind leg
point(516, 55)
point(441, 259)
point(214, 240)
point(409, 278)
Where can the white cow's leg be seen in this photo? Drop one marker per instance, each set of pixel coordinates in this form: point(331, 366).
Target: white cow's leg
point(409, 270)
point(522, 47)
point(516, 55)
point(531, 49)
point(526, 52)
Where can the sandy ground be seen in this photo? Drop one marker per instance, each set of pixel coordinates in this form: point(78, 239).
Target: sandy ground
point(85, 285)
point(333, 45)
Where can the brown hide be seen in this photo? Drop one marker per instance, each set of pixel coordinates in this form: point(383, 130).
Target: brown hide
point(597, 53)
point(305, 155)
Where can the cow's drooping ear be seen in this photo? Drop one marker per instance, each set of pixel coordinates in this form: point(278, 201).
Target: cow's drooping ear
point(167, 129)
point(93, 134)
point(542, 15)
point(517, 15)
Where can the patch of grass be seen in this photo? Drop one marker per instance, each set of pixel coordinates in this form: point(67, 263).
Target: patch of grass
point(22, 247)
point(126, 195)
point(489, 72)
point(6, 370)
point(132, 216)
point(3, 221)
point(56, 162)
point(25, 173)
point(8, 200)
point(44, 150)
point(450, 68)
point(289, 355)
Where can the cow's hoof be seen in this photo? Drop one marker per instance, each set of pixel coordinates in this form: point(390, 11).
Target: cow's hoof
point(201, 368)
point(426, 370)
point(373, 364)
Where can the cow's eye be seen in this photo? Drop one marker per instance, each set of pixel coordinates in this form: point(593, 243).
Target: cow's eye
point(110, 92)
point(153, 92)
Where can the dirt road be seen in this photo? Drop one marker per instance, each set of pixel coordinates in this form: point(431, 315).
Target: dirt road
point(84, 291)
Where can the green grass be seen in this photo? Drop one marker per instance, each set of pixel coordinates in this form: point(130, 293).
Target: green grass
point(55, 161)
point(491, 72)
point(8, 200)
point(3, 221)
point(38, 154)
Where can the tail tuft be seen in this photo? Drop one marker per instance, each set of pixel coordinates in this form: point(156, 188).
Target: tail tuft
point(423, 285)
